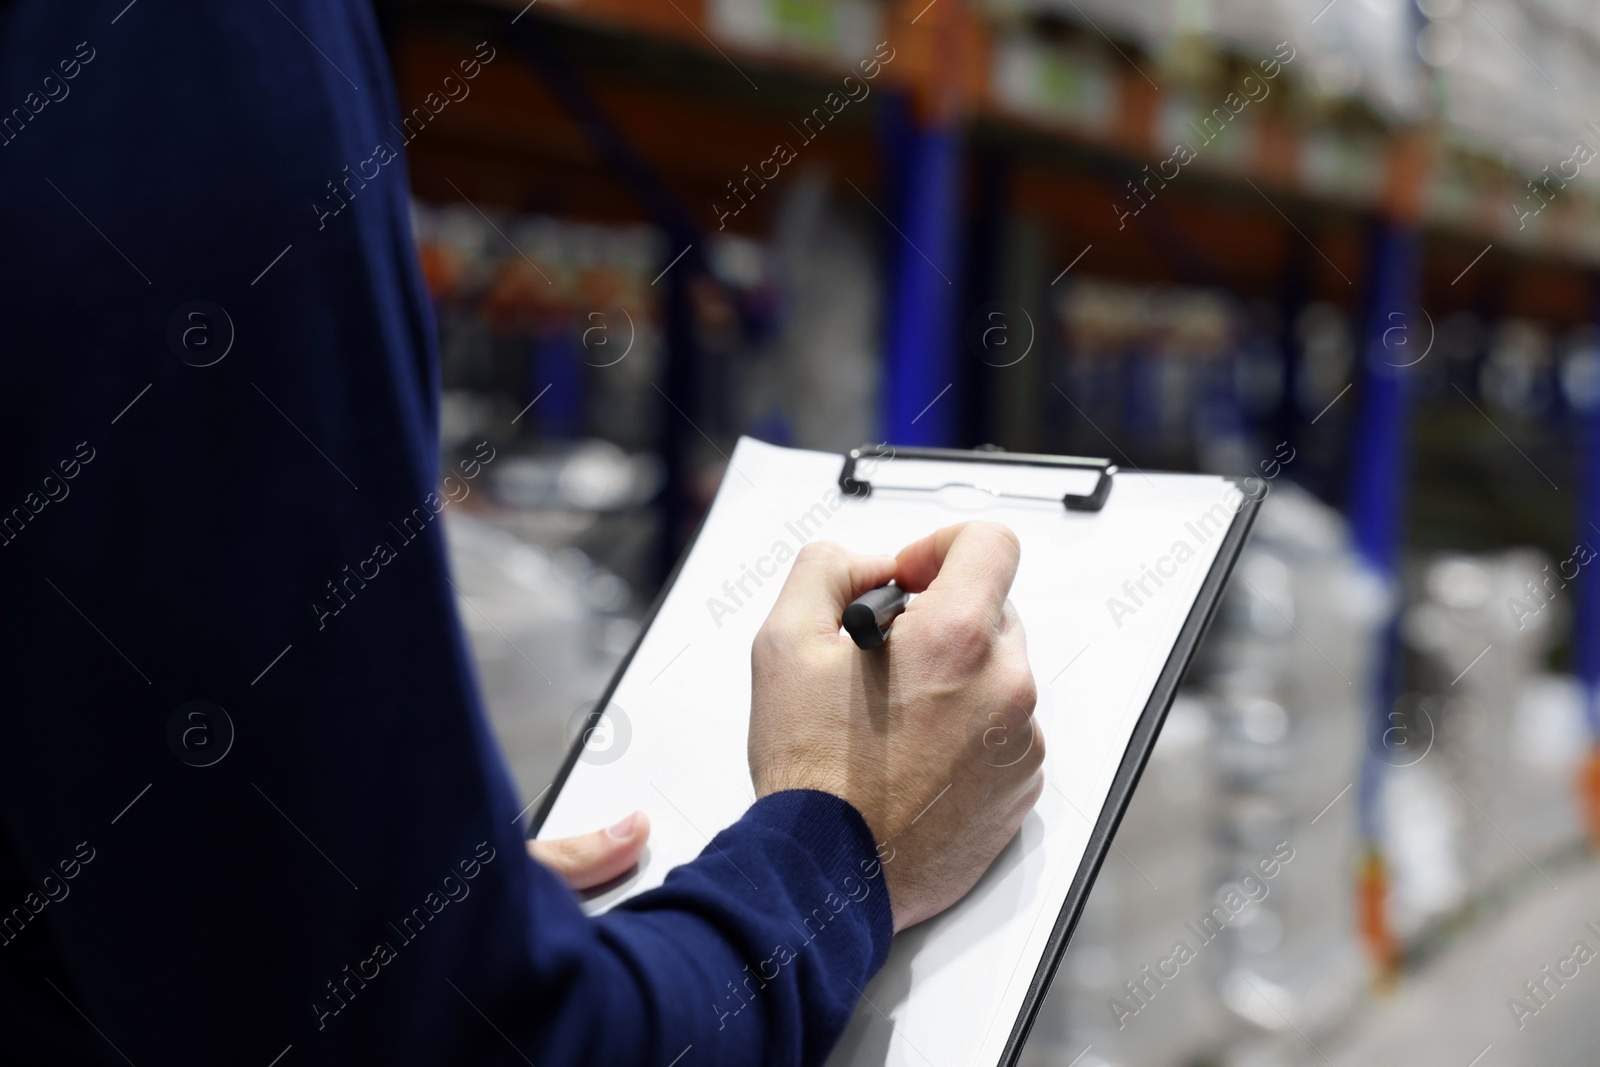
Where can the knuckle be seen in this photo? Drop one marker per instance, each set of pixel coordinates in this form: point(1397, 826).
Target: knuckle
point(969, 630)
point(818, 552)
point(1021, 692)
point(1013, 723)
point(1010, 731)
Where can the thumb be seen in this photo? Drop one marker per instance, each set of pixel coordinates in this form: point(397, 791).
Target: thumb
point(594, 859)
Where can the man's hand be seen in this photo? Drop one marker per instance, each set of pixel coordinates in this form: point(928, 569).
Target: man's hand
point(595, 859)
point(931, 736)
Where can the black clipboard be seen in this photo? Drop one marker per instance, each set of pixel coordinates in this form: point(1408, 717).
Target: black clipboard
point(1145, 731)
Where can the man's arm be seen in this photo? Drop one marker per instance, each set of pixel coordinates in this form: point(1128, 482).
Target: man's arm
point(344, 880)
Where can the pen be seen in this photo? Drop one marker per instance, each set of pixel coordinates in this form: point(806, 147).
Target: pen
point(868, 617)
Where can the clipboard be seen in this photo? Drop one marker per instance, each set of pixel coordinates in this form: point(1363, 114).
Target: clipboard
point(1049, 493)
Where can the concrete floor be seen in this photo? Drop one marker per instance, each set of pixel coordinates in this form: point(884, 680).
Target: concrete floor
point(1455, 1013)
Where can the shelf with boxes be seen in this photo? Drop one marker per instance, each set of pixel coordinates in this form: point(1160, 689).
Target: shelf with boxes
point(1280, 113)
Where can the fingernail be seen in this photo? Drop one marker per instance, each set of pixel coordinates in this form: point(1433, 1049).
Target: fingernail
point(624, 829)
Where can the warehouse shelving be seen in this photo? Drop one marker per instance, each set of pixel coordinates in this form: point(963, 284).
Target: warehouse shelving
point(1341, 156)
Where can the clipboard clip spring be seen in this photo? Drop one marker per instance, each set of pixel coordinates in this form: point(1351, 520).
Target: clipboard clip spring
point(868, 458)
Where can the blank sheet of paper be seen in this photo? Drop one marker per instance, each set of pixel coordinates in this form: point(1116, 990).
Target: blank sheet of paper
point(1102, 597)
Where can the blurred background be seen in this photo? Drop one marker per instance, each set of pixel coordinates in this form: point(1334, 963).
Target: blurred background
point(1348, 248)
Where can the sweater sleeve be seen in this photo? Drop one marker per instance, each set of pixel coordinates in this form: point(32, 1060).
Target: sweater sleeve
point(757, 951)
point(754, 953)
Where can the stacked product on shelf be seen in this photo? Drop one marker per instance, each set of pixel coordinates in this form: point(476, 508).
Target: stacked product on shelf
point(1500, 90)
point(817, 384)
point(525, 303)
point(786, 332)
point(1506, 736)
point(1514, 84)
point(1515, 76)
point(1361, 51)
point(1364, 51)
point(1153, 365)
point(1187, 377)
point(837, 30)
point(1339, 81)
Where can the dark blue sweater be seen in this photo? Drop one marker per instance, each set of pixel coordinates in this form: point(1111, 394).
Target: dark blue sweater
point(218, 441)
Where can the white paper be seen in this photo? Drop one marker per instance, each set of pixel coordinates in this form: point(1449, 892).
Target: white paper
point(1102, 598)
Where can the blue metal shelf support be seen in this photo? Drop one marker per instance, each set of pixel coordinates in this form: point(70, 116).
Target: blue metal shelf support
point(1379, 459)
point(1586, 610)
point(923, 163)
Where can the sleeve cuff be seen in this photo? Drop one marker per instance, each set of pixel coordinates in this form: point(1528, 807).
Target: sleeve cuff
point(839, 841)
